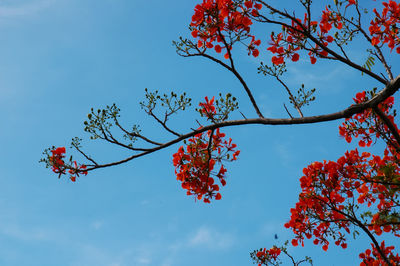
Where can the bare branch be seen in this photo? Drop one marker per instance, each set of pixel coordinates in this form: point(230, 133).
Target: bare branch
point(238, 76)
point(85, 155)
point(393, 129)
point(163, 124)
point(290, 96)
point(287, 111)
point(136, 134)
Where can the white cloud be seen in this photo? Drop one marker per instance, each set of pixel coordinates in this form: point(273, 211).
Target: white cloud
point(211, 238)
point(284, 152)
point(96, 225)
point(25, 234)
point(144, 202)
point(144, 254)
point(143, 260)
point(24, 9)
point(91, 254)
point(271, 228)
point(318, 77)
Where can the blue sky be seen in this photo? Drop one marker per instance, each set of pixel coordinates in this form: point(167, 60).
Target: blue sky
point(59, 58)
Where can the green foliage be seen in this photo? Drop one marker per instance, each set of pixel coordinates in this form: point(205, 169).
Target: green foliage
point(47, 155)
point(304, 97)
point(99, 126)
point(76, 143)
point(184, 46)
point(274, 70)
point(369, 63)
point(172, 102)
point(100, 122)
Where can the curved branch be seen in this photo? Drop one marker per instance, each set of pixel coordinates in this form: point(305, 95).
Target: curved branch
point(238, 76)
point(291, 97)
point(392, 127)
point(133, 134)
point(390, 89)
point(163, 124)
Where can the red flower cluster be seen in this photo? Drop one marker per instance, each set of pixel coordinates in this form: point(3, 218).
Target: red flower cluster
point(213, 20)
point(325, 188)
point(385, 27)
point(375, 259)
point(59, 167)
point(292, 39)
point(329, 189)
point(56, 160)
point(366, 125)
point(208, 108)
point(195, 165)
point(264, 256)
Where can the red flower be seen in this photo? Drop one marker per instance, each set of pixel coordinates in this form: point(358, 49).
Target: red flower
point(351, 2)
point(295, 57)
point(59, 151)
point(255, 52)
point(258, 6)
point(248, 4)
point(277, 60)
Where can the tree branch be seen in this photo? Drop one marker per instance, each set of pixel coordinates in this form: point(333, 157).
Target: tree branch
point(390, 89)
point(238, 76)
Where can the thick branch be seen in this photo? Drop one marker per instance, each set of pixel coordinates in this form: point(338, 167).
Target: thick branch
point(389, 124)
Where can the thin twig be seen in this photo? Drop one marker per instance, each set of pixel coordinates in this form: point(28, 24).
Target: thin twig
point(287, 111)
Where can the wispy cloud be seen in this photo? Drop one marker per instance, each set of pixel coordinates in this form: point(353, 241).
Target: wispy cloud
point(93, 255)
point(204, 237)
point(211, 238)
point(145, 253)
point(24, 233)
point(297, 75)
point(271, 228)
point(23, 9)
point(96, 225)
point(284, 152)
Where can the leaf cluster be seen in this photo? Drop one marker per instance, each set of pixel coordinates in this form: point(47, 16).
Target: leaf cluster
point(172, 102)
point(304, 97)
